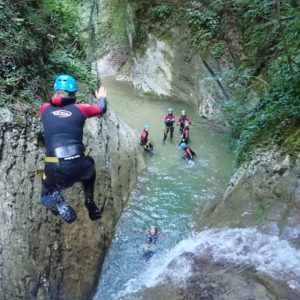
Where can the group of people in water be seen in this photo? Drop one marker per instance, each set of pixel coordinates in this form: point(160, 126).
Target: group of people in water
point(183, 122)
point(169, 119)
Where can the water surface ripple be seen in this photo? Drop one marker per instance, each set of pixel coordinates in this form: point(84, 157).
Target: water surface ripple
point(168, 192)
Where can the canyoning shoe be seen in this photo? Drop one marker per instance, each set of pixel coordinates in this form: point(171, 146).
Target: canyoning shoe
point(94, 212)
point(64, 210)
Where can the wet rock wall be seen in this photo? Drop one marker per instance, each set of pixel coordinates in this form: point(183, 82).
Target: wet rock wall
point(41, 256)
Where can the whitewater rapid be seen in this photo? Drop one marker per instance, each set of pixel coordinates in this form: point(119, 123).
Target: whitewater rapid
point(250, 247)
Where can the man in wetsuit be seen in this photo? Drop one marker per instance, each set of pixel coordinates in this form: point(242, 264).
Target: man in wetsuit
point(65, 162)
point(189, 153)
point(147, 145)
point(169, 121)
point(183, 119)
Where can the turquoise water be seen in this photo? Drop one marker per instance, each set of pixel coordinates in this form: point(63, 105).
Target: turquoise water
point(168, 193)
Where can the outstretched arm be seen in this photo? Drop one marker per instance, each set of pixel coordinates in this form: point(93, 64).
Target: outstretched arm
point(101, 96)
point(95, 110)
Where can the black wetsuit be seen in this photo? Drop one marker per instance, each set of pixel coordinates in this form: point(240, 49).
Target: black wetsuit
point(169, 121)
point(63, 122)
point(151, 239)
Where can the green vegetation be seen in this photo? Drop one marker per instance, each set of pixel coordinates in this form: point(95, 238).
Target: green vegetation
point(38, 40)
point(261, 39)
point(271, 31)
point(108, 27)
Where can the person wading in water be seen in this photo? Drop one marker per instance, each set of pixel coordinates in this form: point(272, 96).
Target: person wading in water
point(169, 121)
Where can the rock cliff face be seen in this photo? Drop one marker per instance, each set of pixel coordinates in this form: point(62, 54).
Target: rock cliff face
point(263, 191)
point(41, 256)
point(168, 68)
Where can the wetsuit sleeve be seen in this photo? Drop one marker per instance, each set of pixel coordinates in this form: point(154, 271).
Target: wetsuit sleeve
point(143, 138)
point(93, 110)
point(43, 107)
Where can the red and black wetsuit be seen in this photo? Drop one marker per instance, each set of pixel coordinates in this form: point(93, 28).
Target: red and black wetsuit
point(169, 120)
point(63, 125)
point(185, 135)
point(63, 122)
point(189, 153)
point(144, 137)
point(182, 120)
point(147, 145)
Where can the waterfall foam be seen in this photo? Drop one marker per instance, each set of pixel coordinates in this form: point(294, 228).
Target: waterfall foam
point(267, 253)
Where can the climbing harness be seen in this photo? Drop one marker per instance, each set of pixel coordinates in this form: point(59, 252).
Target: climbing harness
point(53, 159)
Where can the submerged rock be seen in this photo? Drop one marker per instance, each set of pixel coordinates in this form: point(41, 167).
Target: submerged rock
point(41, 256)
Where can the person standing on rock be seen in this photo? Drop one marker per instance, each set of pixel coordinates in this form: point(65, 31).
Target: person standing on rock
point(65, 162)
point(183, 119)
point(169, 121)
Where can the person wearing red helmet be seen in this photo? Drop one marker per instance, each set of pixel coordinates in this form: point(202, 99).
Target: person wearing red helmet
point(65, 162)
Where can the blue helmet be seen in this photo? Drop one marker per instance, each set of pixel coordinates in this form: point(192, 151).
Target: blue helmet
point(146, 126)
point(66, 83)
point(183, 145)
point(170, 109)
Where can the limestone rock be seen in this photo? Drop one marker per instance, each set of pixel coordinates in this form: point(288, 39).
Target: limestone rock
point(168, 69)
point(41, 256)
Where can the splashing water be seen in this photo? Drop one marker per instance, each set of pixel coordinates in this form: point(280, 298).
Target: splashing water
point(168, 195)
point(240, 247)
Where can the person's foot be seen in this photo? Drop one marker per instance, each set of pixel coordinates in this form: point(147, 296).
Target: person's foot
point(63, 209)
point(94, 212)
